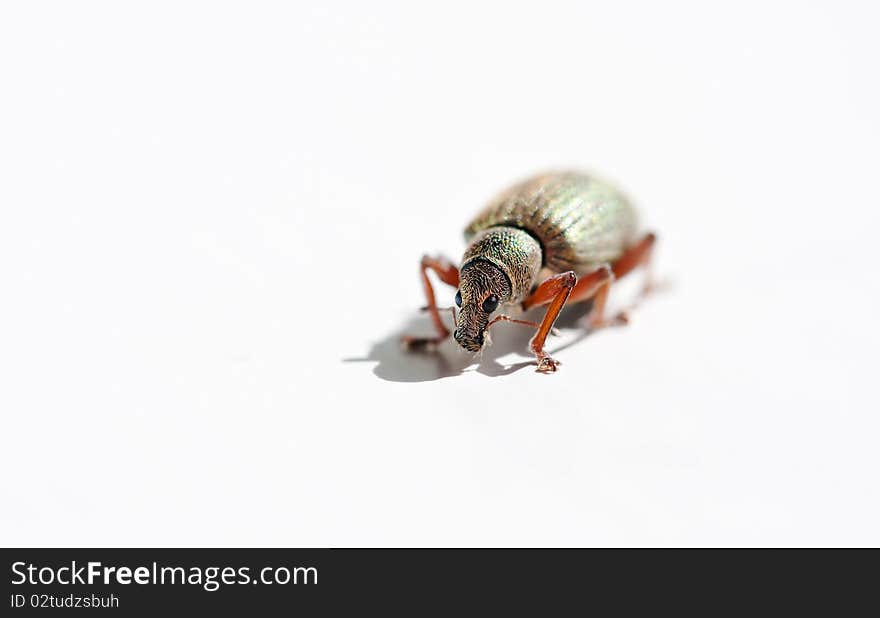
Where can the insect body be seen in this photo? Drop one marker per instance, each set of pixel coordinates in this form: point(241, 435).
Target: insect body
point(552, 239)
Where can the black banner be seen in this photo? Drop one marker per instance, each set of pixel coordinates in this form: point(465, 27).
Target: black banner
point(414, 582)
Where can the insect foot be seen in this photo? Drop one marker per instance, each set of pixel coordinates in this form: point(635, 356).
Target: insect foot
point(621, 319)
point(521, 249)
point(547, 365)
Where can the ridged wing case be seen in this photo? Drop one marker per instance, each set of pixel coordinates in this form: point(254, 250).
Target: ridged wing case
point(580, 221)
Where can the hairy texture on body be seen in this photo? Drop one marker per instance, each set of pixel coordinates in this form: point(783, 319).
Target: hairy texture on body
point(514, 252)
point(479, 281)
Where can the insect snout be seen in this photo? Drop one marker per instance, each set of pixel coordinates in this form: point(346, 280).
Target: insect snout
point(470, 341)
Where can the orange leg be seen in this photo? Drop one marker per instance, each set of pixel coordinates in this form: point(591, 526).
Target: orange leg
point(507, 318)
point(596, 285)
point(448, 273)
point(554, 290)
point(637, 255)
point(566, 287)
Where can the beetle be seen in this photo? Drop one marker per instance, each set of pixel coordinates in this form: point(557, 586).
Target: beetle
point(552, 239)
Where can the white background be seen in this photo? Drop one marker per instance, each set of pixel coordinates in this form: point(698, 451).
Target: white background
point(212, 216)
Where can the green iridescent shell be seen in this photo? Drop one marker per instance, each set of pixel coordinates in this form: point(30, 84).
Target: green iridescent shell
point(581, 222)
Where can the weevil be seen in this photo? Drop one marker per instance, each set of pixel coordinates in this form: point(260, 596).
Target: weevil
point(552, 239)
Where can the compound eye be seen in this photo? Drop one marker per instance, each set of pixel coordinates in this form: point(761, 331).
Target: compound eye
point(490, 304)
point(457, 298)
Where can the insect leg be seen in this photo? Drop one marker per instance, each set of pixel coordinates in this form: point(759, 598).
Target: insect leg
point(634, 257)
point(507, 318)
point(448, 273)
point(637, 255)
point(555, 290)
point(595, 286)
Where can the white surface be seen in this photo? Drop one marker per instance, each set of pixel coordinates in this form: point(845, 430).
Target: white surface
point(210, 213)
